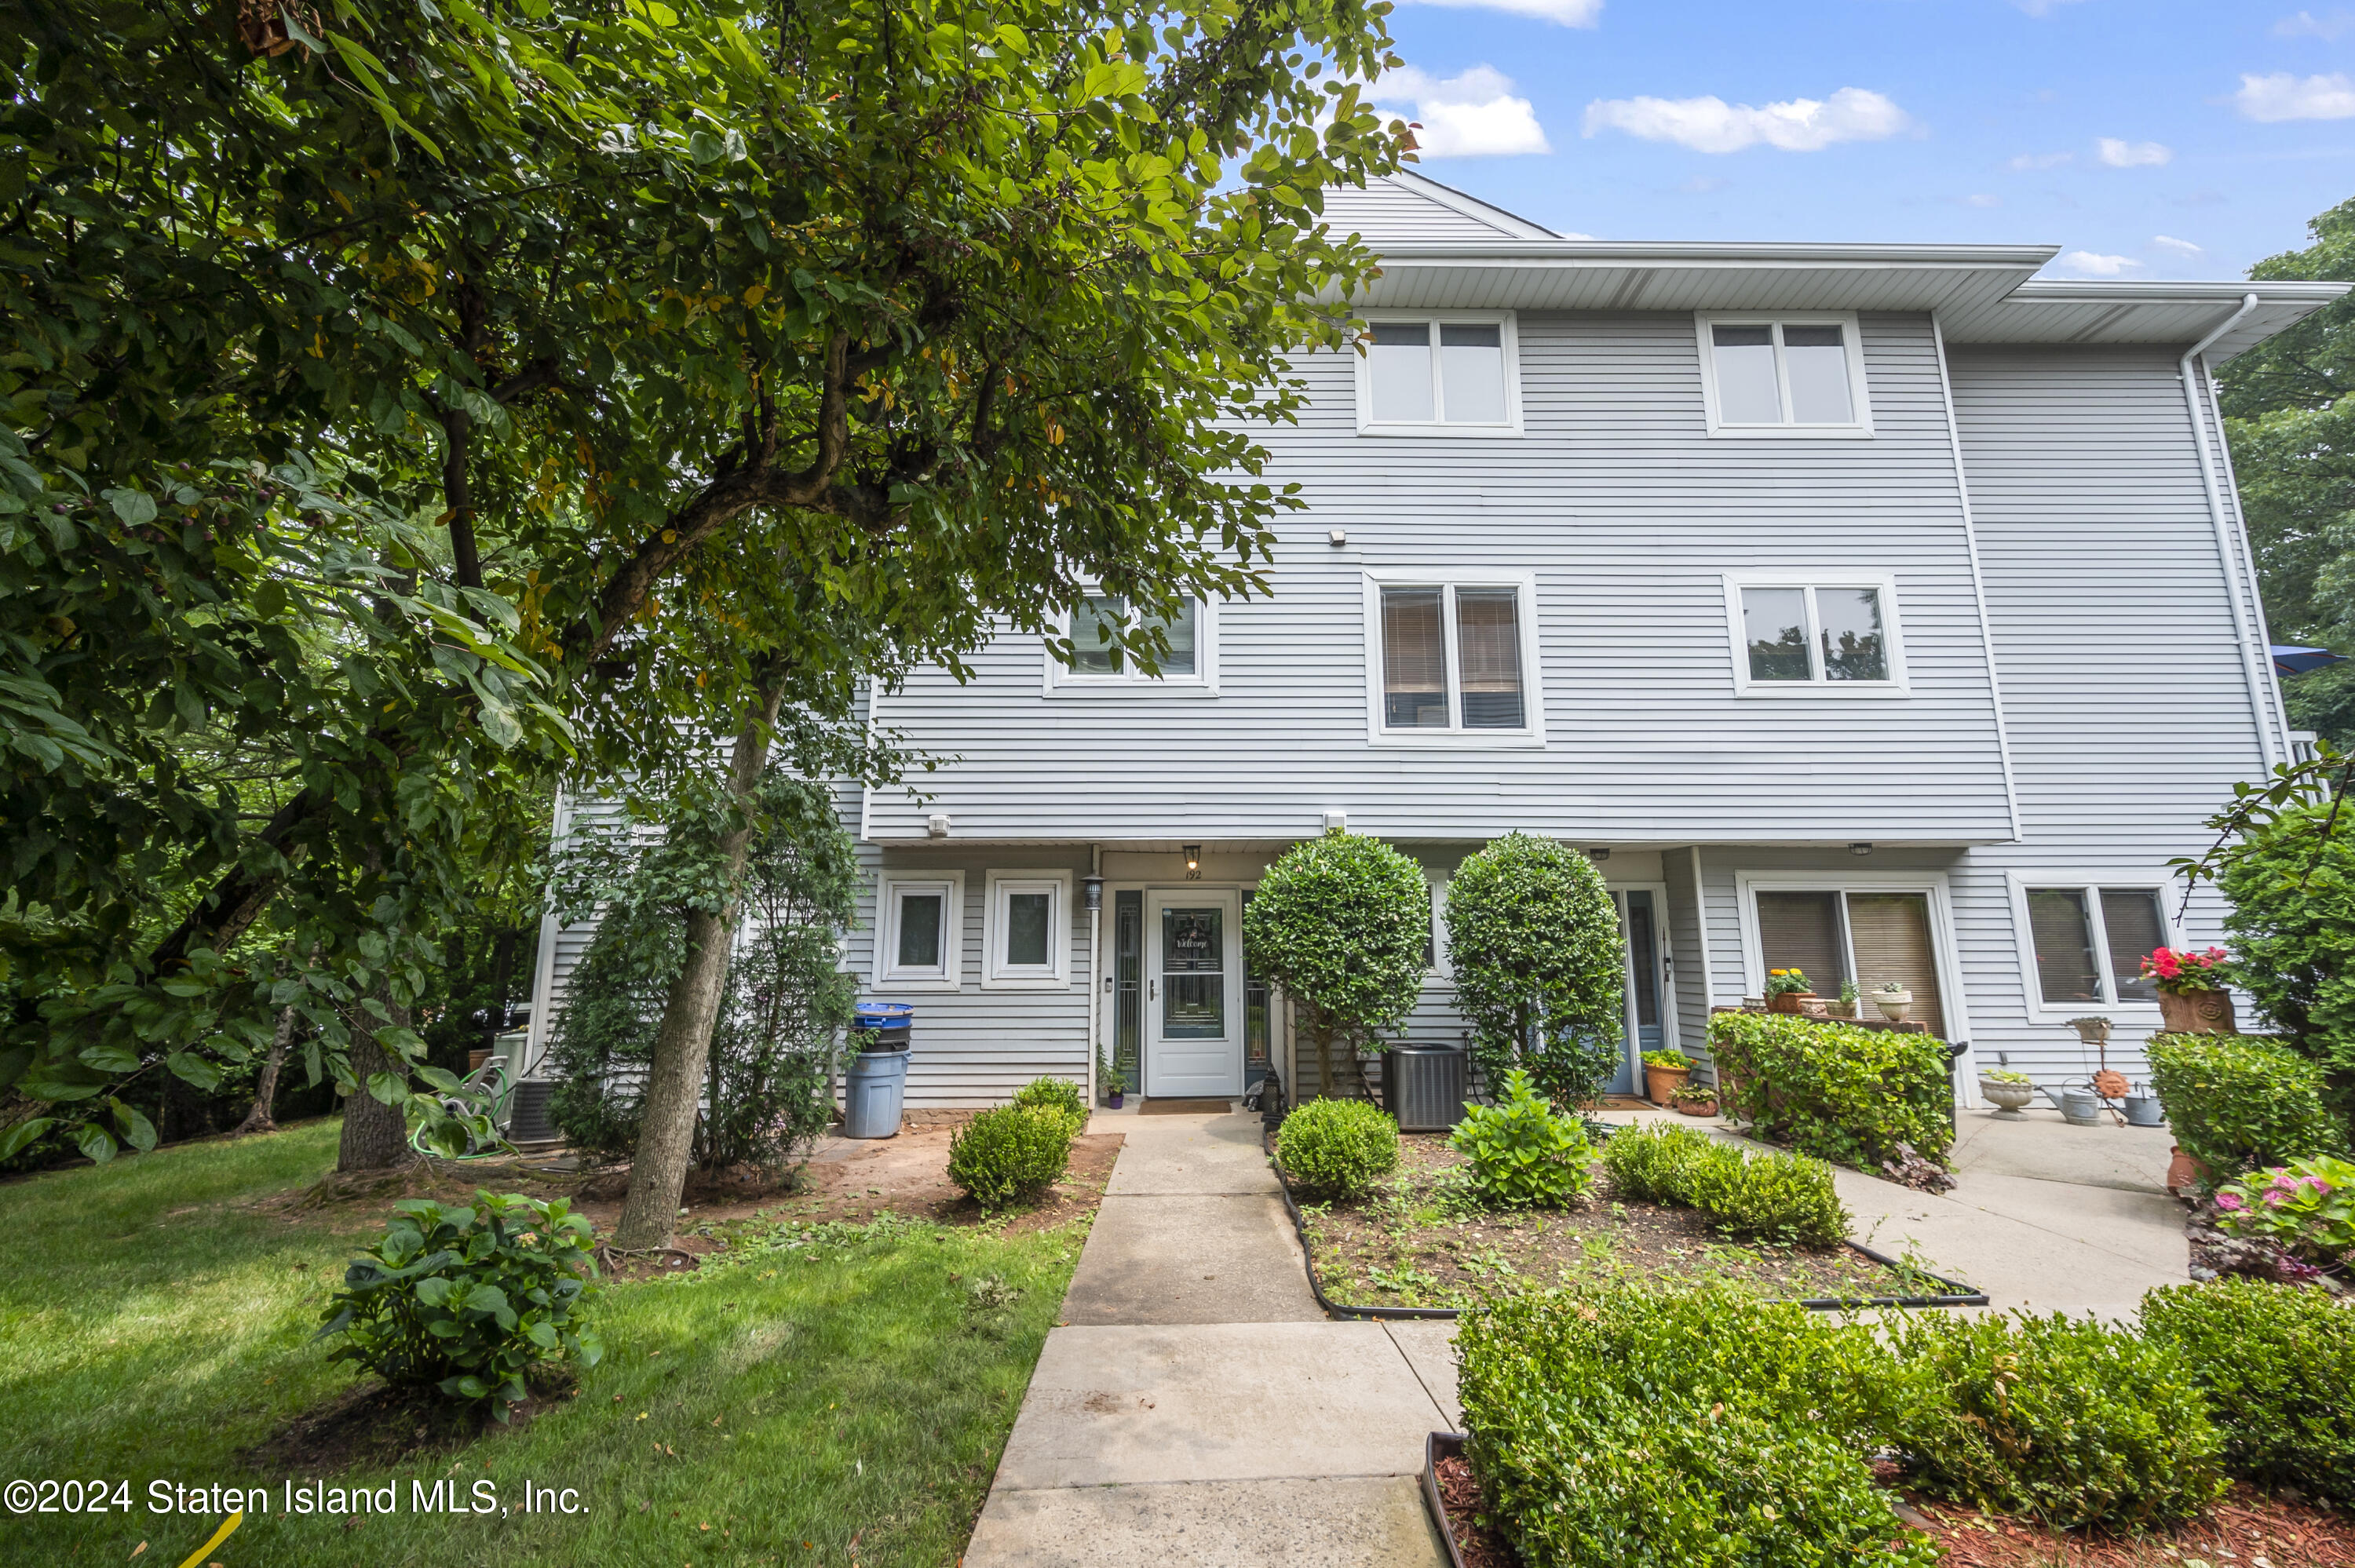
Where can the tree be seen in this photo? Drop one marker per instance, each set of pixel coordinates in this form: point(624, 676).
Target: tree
point(1540, 965)
point(2290, 880)
point(1339, 923)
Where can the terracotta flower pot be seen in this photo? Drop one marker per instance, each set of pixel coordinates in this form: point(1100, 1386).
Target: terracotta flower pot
point(1697, 1108)
point(1788, 1000)
point(1661, 1083)
point(2197, 1012)
point(2184, 1172)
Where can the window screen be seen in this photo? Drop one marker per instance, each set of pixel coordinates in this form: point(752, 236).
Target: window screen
point(1414, 660)
point(2065, 970)
point(1028, 915)
point(920, 930)
point(1488, 643)
point(1471, 375)
point(1802, 931)
point(1815, 363)
point(2131, 919)
point(1397, 361)
point(1747, 391)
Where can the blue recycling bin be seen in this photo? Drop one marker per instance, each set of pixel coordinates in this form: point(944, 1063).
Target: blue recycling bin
point(874, 1079)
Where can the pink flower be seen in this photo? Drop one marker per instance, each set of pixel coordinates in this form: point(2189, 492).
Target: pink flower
point(2231, 1202)
point(2274, 1194)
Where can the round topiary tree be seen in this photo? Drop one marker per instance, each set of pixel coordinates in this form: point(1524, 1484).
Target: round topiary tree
point(1540, 965)
point(1339, 923)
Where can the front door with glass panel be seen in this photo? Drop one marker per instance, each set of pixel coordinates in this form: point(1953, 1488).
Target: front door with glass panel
point(1193, 995)
point(1645, 983)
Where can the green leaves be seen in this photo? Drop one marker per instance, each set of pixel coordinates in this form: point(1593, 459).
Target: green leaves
point(1523, 1154)
point(1833, 1090)
point(1533, 940)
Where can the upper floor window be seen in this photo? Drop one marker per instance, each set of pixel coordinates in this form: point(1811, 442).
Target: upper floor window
point(1800, 375)
point(1100, 664)
point(1797, 634)
point(1453, 374)
point(1452, 660)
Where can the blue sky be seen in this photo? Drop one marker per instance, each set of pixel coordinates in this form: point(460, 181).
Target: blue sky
point(2150, 140)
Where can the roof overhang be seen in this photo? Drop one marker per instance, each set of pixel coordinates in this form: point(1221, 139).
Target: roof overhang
point(2171, 313)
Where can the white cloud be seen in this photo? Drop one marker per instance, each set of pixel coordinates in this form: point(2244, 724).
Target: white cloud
point(2094, 264)
point(2282, 96)
point(2041, 7)
point(1474, 115)
point(1983, 199)
point(2306, 25)
point(1713, 126)
point(2042, 160)
point(2120, 154)
point(2168, 242)
point(1567, 13)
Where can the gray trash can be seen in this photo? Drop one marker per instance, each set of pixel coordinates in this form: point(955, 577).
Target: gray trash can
point(874, 1090)
point(1423, 1086)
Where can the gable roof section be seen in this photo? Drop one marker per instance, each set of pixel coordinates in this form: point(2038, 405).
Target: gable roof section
point(1408, 209)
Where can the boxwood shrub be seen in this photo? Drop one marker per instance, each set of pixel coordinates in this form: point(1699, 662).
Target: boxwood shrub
point(1778, 1197)
point(2239, 1101)
point(1012, 1154)
point(1834, 1090)
point(2278, 1365)
point(1338, 1148)
point(1057, 1095)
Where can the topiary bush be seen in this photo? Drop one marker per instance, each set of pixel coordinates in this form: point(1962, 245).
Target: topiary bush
point(2277, 1363)
point(1338, 1148)
point(469, 1299)
point(1534, 945)
point(2056, 1419)
point(1833, 1090)
point(1778, 1197)
point(1522, 1154)
point(2238, 1101)
point(1011, 1154)
point(1057, 1095)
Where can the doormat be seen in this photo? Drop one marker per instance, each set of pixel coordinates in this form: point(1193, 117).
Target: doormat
point(1186, 1107)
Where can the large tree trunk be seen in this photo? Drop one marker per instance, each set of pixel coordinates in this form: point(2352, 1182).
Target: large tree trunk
point(376, 1135)
point(265, 1088)
point(675, 1079)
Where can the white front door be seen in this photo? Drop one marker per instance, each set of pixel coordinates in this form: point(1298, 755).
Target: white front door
point(1193, 995)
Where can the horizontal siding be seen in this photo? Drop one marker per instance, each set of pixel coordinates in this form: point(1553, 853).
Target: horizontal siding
point(1384, 213)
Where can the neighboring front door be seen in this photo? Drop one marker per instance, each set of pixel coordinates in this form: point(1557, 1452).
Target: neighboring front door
point(1193, 995)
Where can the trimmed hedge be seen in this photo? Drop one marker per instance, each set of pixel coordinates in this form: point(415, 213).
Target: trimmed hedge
point(2278, 1365)
point(1338, 1148)
point(1012, 1154)
point(1057, 1095)
point(2240, 1101)
point(1833, 1090)
point(1778, 1197)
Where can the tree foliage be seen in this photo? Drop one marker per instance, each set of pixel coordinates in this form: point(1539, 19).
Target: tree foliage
point(1339, 923)
point(1539, 965)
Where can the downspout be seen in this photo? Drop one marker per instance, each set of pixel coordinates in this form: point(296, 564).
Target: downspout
point(2190, 371)
point(1979, 581)
point(1095, 971)
point(2280, 709)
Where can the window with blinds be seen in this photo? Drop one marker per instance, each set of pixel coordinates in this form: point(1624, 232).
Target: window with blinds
point(1870, 938)
point(2090, 943)
point(1802, 931)
point(1452, 658)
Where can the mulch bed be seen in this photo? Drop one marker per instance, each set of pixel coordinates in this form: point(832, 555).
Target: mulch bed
point(1479, 1545)
point(1387, 1252)
point(372, 1424)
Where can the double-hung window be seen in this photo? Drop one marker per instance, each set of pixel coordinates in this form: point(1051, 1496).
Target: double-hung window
point(1453, 662)
point(1451, 374)
point(1026, 926)
point(2087, 938)
point(1801, 633)
point(1789, 375)
point(1099, 662)
point(920, 927)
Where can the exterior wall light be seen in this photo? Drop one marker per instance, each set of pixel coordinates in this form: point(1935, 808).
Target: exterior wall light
point(1859, 849)
point(1599, 853)
point(1092, 890)
point(1193, 860)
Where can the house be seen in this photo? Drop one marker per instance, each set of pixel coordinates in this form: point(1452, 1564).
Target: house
point(1878, 610)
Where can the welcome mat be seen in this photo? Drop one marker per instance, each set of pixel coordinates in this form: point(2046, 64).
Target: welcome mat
point(1186, 1107)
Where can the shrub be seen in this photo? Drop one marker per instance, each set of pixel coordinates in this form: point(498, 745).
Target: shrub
point(1338, 1148)
point(1523, 1155)
point(2292, 925)
point(1834, 1090)
point(1057, 1095)
point(1340, 923)
point(1012, 1154)
point(2306, 1208)
point(2278, 1365)
point(469, 1299)
point(1778, 1197)
point(2053, 1418)
point(2237, 1101)
point(1533, 941)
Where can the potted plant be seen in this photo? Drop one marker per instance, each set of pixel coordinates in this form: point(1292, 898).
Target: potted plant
point(1892, 1000)
point(1785, 989)
point(1695, 1099)
point(2192, 995)
point(1846, 1006)
point(1665, 1073)
point(2010, 1092)
point(1112, 1081)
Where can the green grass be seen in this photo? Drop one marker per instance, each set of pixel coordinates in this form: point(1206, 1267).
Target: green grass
point(843, 1399)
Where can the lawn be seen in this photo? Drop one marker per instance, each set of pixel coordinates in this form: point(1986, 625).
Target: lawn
point(829, 1395)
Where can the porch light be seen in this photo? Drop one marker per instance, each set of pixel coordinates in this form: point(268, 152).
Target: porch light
point(1193, 857)
point(1859, 849)
point(1601, 851)
point(1092, 890)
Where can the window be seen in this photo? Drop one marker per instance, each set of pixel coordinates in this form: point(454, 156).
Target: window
point(919, 925)
point(1866, 933)
point(1099, 665)
point(1436, 964)
point(1453, 662)
point(1449, 375)
point(1794, 634)
point(2086, 939)
point(1025, 927)
point(1797, 375)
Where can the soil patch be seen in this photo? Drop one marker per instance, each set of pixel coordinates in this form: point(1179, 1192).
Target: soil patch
point(2246, 1529)
point(372, 1424)
point(1480, 1546)
point(1406, 1245)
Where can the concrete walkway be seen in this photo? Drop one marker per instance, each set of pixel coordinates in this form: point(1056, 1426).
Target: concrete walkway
point(1195, 1407)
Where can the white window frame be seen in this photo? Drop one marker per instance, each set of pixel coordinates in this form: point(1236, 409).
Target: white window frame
point(1532, 730)
point(950, 975)
point(1892, 633)
point(1443, 964)
point(1061, 680)
point(2131, 1017)
point(1056, 974)
point(1748, 884)
point(1508, 335)
point(1851, 341)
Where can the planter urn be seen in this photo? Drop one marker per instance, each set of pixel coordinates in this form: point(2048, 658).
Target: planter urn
point(1697, 1108)
point(2010, 1099)
point(1660, 1084)
point(2197, 1012)
point(1893, 1004)
point(1789, 1001)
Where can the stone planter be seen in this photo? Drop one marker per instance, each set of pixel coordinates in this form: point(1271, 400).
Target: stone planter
point(1789, 1001)
point(2197, 1012)
point(1661, 1083)
point(2008, 1099)
point(1893, 1004)
point(1839, 1010)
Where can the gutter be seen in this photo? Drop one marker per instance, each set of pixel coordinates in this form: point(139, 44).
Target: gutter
point(2190, 370)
